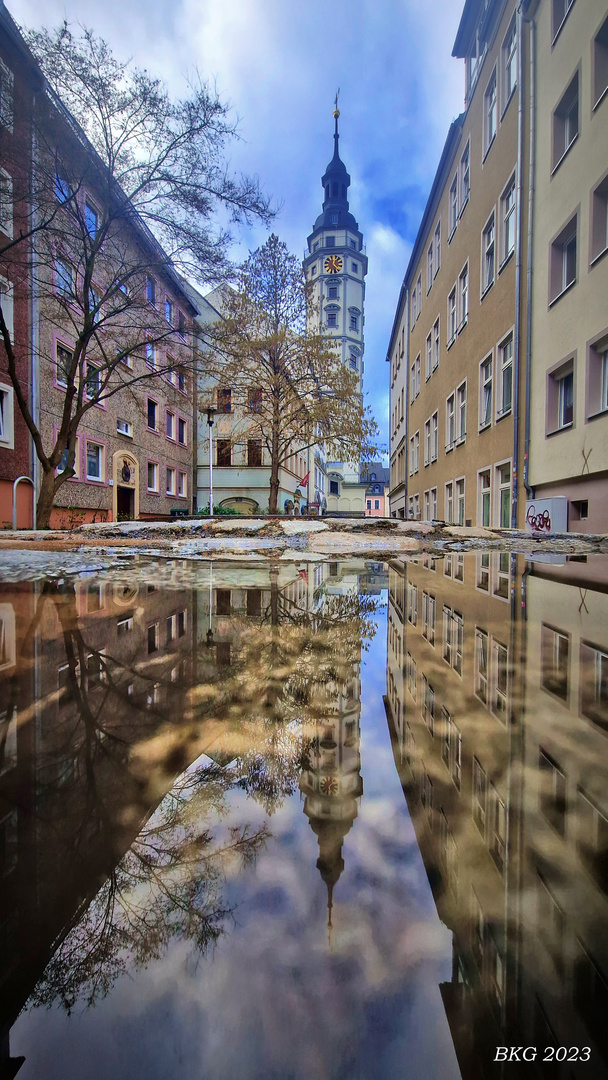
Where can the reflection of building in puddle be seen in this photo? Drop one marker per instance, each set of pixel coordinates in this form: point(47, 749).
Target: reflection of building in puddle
point(497, 701)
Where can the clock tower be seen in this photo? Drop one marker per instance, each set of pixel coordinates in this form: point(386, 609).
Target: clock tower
point(337, 265)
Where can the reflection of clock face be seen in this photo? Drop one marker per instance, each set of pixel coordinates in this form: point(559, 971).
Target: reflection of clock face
point(333, 264)
point(329, 785)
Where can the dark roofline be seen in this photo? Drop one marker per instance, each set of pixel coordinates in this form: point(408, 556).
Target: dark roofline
point(466, 27)
point(453, 137)
point(16, 38)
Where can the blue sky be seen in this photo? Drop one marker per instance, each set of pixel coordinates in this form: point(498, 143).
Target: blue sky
point(279, 64)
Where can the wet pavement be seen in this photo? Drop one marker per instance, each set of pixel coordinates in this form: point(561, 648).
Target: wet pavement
point(303, 820)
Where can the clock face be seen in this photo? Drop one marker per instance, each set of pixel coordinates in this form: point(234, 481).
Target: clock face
point(333, 264)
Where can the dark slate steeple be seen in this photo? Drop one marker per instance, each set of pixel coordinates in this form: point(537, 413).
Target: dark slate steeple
point(336, 183)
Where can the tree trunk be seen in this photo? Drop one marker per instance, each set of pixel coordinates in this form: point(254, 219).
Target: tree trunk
point(45, 499)
point(274, 460)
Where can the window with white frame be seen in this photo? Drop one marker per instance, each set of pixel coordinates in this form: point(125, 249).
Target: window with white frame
point(482, 666)
point(354, 322)
point(151, 290)
point(417, 365)
point(452, 317)
point(182, 485)
point(150, 355)
point(6, 96)
point(170, 481)
point(332, 319)
point(417, 506)
point(434, 436)
point(91, 218)
point(428, 617)
point(500, 679)
point(182, 431)
point(460, 504)
point(480, 795)
point(419, 295)
point(599, 213)
point(6, 302)
point(429, 267)
point(414, 453)
point(600, 64)
point(64, 278)
point(485, 393)
point(449, 503)
point(93, 380)
point(560, 11)
point(153, 471)
point(502, 575)
point(490, 112)
point(504, 396)
point(509, 62)
point(412, 603)
point(594, 683)
point(453, 638)
point(597, 378)
point(507, 212)
point(453, 207)
point(7, 425)
point(503, 494)
point(433, 507)
point(560, 397)
point(428, 361)
point(488, 255)
point(427, 442)
point(63, 364)
point(94, 460)
point(465, 177)
point(427, 505)
point(435, 361)
point(152, 414)
point(427, 705)
point(169, 310)
point(562, 265)
point(124, 427)
point(484, 503)
point(6, 203)
point(463, 297)
point(482, 580)
point(437, 241)
point(450, 423)
point(565, 121)
point(412, 382)
point(461, 412)
point(170, 425)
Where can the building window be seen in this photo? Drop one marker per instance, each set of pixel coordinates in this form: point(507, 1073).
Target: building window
point(450, 423)
point(418, 295)
point(485, 393)
point(484, 499)
point(6, 300)
point(509, 62)
point(461, 414)
point(6, 96)
point(498, 830)
point(254, 399)
point(417, 365)
point(449, 503)
point(94, 456)
point(124, 427)
point(482, 666)
point(93, 380)
point(224, 451)
point(483, 572)
point(505, 378)
point(463, 297)
point(170, 481)
point(412, 604)
point(437, 241)
point(565, 122)
point(555, 660)
point(64, 278)
point(224, 400)
point(428, 705)
point(332, 292)
point(599, 218)
point(63, 365)
point(503, 575)
point(480, 794)
point(465, 177)
point(560, 397)
point(460, 503)
point(507, 207)
point(91, 218)
point(427, 442)
point(330, 241)
point(182, 431)
point(429, 267)
point(6, 203)
point(593, 839)
point(487, 256)
point(597, 378)
point(562, 264)
point(182, 485)
point(433, 508)
point(355, 268)
point(600, 63)
point(334, 487)
point(434, 436)
point(561, 9)
point(150, 355)
point(503, 490)
point(254, 451)
point(435, 352)
point(453, 207)
point(332, 320)
point(593, 680)
point(552, 791)
point(153, 476)
point(152, 414)
point(500, 676)
point(414, 453)
point(170, 425)
point(490, 112)
point(6, 417)
point(452, 317)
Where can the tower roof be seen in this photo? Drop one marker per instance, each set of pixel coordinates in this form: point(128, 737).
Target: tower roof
point(336, 183)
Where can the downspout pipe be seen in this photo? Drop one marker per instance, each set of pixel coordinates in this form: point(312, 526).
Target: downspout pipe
point(520, 141)
point(34, 323)
point(531, 197)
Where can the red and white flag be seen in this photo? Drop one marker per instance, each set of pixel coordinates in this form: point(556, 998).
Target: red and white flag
point(303, 482)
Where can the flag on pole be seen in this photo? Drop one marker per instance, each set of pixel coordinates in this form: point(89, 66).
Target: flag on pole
point(304, 480)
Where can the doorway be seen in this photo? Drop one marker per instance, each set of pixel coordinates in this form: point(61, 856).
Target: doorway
point(125, 503)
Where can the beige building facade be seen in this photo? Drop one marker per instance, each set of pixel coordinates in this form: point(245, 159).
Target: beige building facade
point(569, 334)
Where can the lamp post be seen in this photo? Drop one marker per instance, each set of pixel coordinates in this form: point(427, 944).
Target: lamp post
point(210, 416)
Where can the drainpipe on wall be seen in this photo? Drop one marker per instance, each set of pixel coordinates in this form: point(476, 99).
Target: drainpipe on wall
point(531, 193)
point(520, 139)
point(34, 331)
point(406, 360)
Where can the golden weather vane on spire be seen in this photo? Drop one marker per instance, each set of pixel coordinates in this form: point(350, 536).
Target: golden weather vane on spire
point(336, 109)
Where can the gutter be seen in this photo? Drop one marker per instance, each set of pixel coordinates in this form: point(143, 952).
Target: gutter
point(520, 139)
point(531, 195)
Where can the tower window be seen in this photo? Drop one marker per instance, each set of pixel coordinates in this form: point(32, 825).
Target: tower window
point(334, 189)
point(315, 246)
point(353, 244)
point(354, 322)
point(330, 241)
point(332, 319)
point(332, 292)
point(334, 219)
point(355, 268)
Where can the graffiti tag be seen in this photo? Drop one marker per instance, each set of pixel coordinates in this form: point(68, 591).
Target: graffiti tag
point(541, 521)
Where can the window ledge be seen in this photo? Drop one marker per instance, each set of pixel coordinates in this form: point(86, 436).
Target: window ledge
point(450, 342)
point(486, 291)
point(462, 325)
point(487, 151)
point(449, 447)
point(564, 155)
point(597, 258)
point(450, 234)
point(561, 26)
point(595, 415)
point(484, 427)
point(508, 102)
point(501, 415)
point(557, 430)
point(600, 99)
point(506, 260)
point(124, 434)
point(461, 440)
point(555, 299)
point(463, 207)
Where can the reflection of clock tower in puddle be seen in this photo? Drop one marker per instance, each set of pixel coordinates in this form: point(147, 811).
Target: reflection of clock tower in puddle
point(337, 265)
point(332, 783)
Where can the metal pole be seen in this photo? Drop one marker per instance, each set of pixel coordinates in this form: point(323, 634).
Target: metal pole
point(210, 422)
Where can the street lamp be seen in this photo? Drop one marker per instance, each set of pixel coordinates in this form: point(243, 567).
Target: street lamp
point(210, 416)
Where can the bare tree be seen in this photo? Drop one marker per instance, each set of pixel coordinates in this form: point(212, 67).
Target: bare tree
point(288, 383)
point(126, 187)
